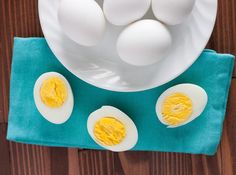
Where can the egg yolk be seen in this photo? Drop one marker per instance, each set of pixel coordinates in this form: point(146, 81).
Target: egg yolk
point(109, 131)
point(176, 109)
point(53, 92)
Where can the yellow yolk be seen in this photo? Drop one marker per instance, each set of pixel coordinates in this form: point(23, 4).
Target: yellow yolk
point(53, 92)
point(177, 109)
point(109, 131)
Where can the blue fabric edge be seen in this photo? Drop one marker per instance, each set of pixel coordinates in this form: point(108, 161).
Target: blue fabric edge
point(223, 112)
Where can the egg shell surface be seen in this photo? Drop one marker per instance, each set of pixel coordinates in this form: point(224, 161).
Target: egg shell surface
point(123, 12)
point(144, 43)
point(172, 12)
point(82, 21)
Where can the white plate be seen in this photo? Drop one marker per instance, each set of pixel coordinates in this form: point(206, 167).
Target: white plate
point(101, 65)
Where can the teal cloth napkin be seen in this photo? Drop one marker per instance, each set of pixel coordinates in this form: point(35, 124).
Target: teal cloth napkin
point(32, 57)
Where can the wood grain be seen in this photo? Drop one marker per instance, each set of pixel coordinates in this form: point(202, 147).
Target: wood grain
point(5, 167)
point(37, 160)
point(20, 18)
point(223, 38)
point(28, 159)
point(17, 18)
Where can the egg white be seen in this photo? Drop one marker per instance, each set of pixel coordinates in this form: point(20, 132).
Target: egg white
point(131, 131)
point(57, 115)
point(197, 95)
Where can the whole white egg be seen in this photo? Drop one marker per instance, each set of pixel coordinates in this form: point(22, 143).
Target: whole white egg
point(45, 93)
point(172, 12)
point(123, 12)
point(144, 43)
point(181, 104)
point(113, 119)
point(82, 21)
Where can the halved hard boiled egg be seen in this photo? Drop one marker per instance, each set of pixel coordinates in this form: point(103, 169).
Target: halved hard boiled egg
point(112, 129)
point(181, 104)
point(53, 97)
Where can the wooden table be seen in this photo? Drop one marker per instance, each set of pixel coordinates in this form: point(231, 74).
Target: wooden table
point(20, 18)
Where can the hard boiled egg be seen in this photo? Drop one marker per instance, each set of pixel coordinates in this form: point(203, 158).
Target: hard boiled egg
point(53, 97)
point(123, 12)
point(82, 21)
point(181, 104)
point(144, 43)
point(112, 129)
point(172, 12)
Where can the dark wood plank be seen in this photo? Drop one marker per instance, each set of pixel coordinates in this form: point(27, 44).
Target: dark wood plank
point(59, 161)
point(171, 163)
point(38, 160)
point(97, 163)
point(207, 164)
point(73, 159)
point(223, 38)
point(5, 168)
point(28, 159)
point(17, 18)
point(2, 82)
point(136, 162)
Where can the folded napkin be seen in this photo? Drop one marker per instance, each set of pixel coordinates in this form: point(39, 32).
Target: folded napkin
point(32, 57)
